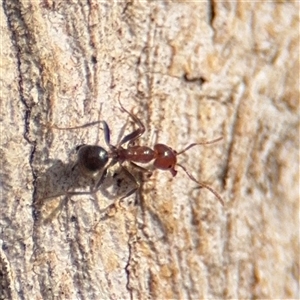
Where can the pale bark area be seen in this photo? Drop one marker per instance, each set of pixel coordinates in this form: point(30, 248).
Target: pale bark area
point(192, 72)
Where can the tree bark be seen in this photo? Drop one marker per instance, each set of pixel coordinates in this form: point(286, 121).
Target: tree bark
point(190, 72)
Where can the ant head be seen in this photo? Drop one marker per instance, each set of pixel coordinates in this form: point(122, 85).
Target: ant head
point(165, 158)
point(91, 159)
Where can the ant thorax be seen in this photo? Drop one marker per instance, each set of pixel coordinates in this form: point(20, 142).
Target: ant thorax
point(139, 154)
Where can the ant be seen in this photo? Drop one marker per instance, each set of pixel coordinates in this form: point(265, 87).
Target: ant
point(93, 159)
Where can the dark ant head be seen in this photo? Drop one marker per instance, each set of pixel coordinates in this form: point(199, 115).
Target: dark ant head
point(91, 159)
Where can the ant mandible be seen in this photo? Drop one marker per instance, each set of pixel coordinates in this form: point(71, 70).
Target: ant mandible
point(92, 159)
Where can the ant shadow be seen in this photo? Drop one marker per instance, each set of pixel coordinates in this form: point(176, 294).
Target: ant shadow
point(62, 181)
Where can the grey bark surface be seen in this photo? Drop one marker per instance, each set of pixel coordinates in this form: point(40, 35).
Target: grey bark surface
point(190, 72)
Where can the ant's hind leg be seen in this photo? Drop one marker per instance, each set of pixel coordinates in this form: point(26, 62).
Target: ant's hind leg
point(131, 137)
point(111, 210)
point(100, 181)
point(134, 189)
point(105, 129)
point(106, 134)
point(103, 176)
point(76, 127)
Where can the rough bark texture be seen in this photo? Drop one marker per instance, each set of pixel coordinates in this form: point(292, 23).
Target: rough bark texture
point(192, 72)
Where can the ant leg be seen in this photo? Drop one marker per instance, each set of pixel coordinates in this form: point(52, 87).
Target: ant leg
point(77, 127)
point(201, 184)
point(103, 175)
point(131, 137)
point(133, 179)
point(106, 133)
point(101, 179)
point(112, 207)
point(105, 129)
point(144, 170)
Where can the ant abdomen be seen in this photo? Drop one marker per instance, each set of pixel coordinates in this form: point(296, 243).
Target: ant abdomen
point(91, 159)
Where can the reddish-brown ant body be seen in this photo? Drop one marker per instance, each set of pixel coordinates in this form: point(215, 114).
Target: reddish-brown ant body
point(93, 160)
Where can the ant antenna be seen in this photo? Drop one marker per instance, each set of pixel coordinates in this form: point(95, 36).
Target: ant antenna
point(201, 184)
point(201, 143)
